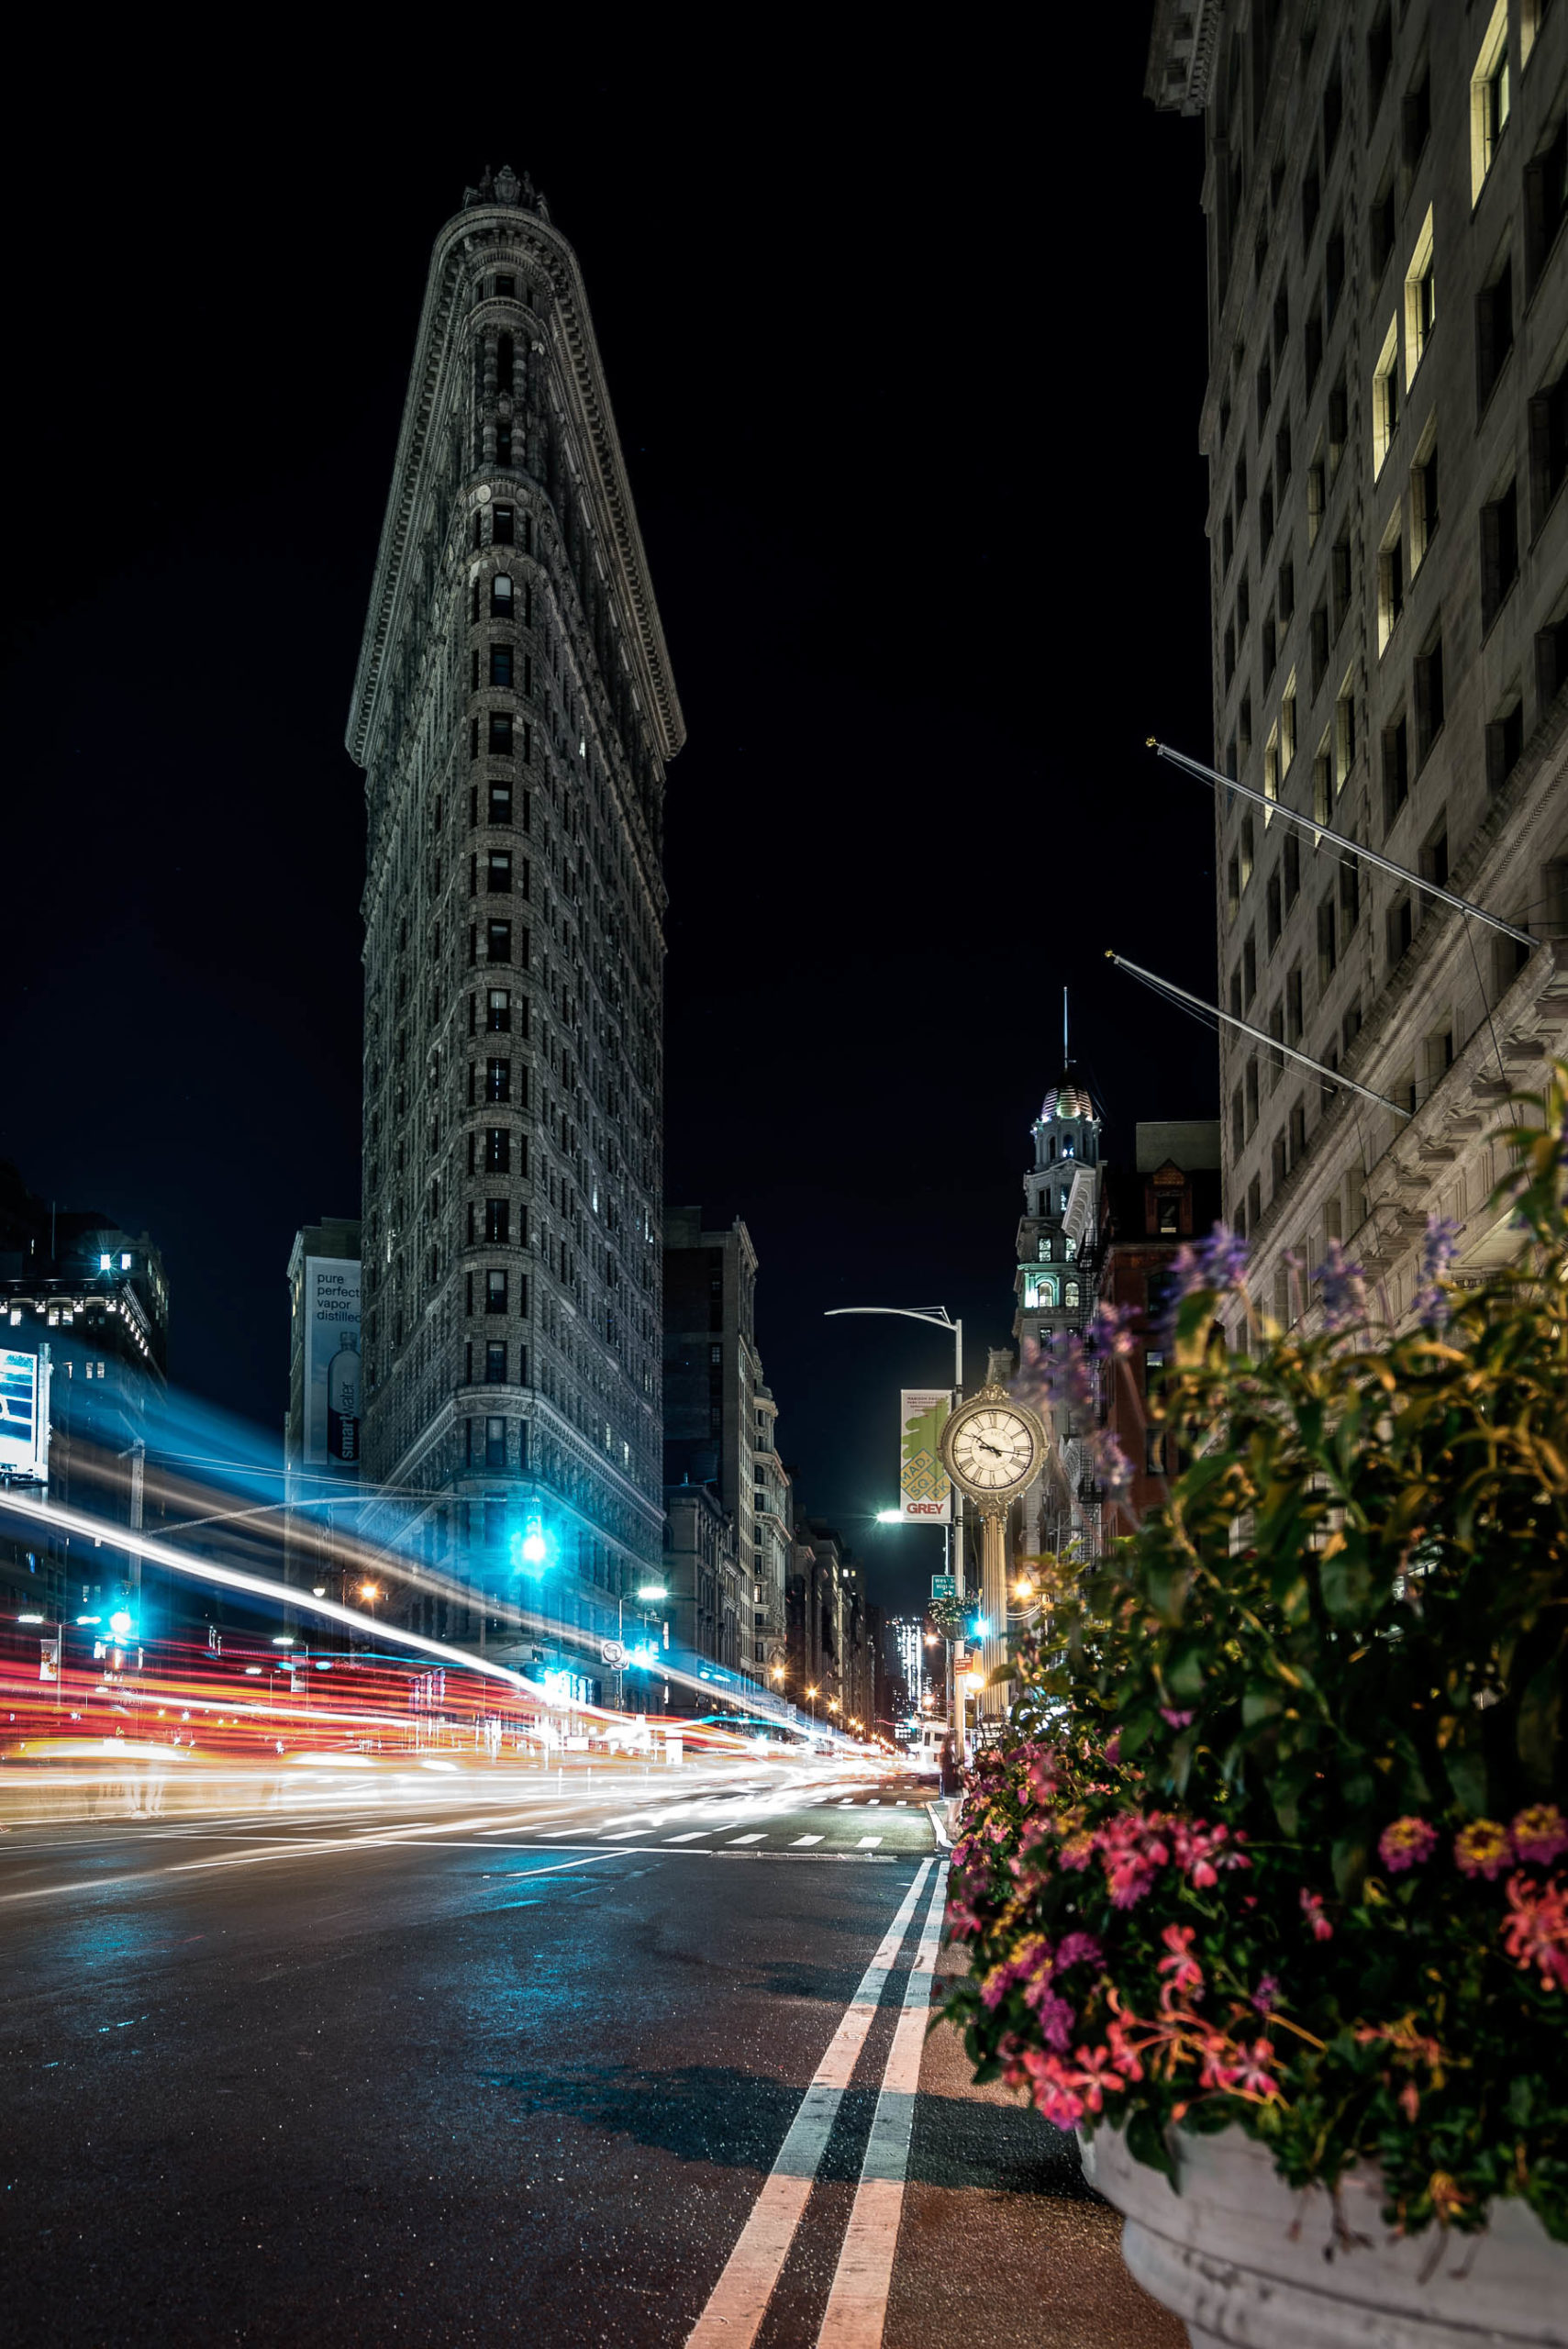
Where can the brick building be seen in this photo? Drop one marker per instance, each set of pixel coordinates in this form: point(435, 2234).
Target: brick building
point(1169, 1194)
point(1386, 425)
point(514, 712)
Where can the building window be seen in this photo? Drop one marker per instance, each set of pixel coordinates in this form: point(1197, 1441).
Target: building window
point(498, 1150)
point(1416, 119)
point(1293, 1004)
point(500, 736)
point(1546, 200)
point(1385, 398)
point(1251, 1094)
point(1488, 99)
point(500, 803)
point(1551, 660)
point(1249, 970)
point(1238, 1124)
point(501, 533)
point(1070, 1293)
point(1345, 735)
point(497, 1080)
point(1420, 300)
point(1401, 928)
point(1493, 328)
point(1350, 897)
point(1292, 868)
point(1390, 582)
point(506, 349)
point(1499, 552)
point(500, 664)
point(1505, 740)
point(495, 1363)
point(1395, 770)
point(1333, 111)
point(1334, 268)
point(1548, 446)
point(501, 597)
point(495, 1285)
point(1423, 500)
point(495, 1457)
point(1327, 944)
point(1340, 578)
point(1168, 1215)
point(1314, 485)
point(498, 1011)
point(1381, 227)
point(498, 941)
point(498, 871)
point(1275, 910)
point(498, 1222)
point(1427, 681)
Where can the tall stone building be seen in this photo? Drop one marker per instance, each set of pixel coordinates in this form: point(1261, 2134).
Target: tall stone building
point(514, 713)
point(1055, 1259)
point(1387, 431)
point(721, 1418)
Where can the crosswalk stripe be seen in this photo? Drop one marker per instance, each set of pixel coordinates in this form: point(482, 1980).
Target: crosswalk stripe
point(739, 2300)
point(690, 1837)
point(870, 1843)
point(757, 1838)
point(805, 1839)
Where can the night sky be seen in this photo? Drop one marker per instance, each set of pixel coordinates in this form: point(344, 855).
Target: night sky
point(908, 390)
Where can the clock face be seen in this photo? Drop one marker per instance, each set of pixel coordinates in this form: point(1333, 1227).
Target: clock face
point(993, 1449)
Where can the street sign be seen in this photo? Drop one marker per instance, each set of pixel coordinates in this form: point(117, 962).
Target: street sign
point(944, 1585)
point(612, 1652)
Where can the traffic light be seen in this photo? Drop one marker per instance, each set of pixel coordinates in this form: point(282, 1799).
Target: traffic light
point(530, 1548)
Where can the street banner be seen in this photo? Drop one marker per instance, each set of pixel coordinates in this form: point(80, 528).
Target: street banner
point(332, 1364)
point(24, 1416)
point(925, 1495)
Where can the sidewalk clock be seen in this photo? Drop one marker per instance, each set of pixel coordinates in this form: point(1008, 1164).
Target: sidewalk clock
point(992, 1447)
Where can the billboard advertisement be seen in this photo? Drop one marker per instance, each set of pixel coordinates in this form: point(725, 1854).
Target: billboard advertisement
point(23, 1416)
point(925, 1495)
point(332, 1380)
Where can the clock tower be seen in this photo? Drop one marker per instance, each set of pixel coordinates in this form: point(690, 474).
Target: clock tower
point(1057, 1255)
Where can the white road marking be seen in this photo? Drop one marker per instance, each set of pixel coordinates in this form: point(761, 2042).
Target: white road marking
point(939, 1823)
point(759, 1838)
point(739, 2300)
point(690, 1837)
point(900, 1806)
point(857, 2305)
point(870, 1843)
point(873, 1802)
point(805, 1839)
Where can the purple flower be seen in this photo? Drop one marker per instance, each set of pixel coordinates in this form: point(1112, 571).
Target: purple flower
point(1111, 1464)
point(1078, 1949)
point(1438, 1248)
point(1177, 1721)
point(1265, 1998)
point(1344, 1288)
point(1109, 1332)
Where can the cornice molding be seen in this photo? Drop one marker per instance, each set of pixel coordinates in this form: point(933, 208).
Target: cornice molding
point(581, 380)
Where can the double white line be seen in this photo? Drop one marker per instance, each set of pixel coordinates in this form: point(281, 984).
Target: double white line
point(857, 2306)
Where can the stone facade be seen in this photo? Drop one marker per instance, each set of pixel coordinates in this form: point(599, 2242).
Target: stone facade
point(1055, 1256)
point(514, 712)
point(832, 1668)
point(1387, 431)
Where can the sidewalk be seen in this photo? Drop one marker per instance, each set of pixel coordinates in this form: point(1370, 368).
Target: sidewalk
point(1003, 2246)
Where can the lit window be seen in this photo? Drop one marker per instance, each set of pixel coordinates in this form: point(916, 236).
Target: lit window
point(1385, 397)
point(1420, 300)
point(498, 1011)
point(501, 596)
point(1488, 99)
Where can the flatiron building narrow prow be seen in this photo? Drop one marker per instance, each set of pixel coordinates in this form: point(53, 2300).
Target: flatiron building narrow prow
point(514, 713)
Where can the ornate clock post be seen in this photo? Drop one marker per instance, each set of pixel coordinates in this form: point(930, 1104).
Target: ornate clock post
point(992, 1447)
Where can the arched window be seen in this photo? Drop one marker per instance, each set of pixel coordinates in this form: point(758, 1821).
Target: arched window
point(1070, 1295)
point(1066, 1145)
point(501, 596)
point(503, 363)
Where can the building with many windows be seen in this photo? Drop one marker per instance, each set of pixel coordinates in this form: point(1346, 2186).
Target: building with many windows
point(721, 1418)
point(1054, 1285)
point(1387, 431)
point(514, 713)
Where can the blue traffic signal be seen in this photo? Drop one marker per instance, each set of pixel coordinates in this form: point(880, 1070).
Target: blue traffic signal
point(530, 1549)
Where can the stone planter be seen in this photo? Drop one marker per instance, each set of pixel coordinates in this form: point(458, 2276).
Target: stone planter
point(1244, 2260)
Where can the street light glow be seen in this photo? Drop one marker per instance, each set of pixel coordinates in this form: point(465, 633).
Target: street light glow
point(368, 1590)
point(652, 1590)
point(283, 1640)
point(890, 1516)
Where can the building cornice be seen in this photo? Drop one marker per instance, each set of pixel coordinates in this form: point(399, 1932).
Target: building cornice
point(581, 380)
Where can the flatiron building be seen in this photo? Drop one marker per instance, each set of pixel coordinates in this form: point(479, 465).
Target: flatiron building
point(514, 713)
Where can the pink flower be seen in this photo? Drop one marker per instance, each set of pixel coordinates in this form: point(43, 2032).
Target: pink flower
point(1536, 1933)
point(1176, 1721)
point(1183, 1969)
point(1113, 1748)
point(1051, 2083)
point(1096, 2072)
point(1407, 1841)
point(1312, 1909)
point(1541, 1834)
point(1124, 2052)
point(1265, 1998)
point(1484, 1848)
point(1078, 1949)
point(1253, 2072)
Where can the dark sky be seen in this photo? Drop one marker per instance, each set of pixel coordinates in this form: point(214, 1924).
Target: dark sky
point(906, 355)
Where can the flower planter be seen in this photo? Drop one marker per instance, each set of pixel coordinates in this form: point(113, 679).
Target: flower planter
point(1245, 2260)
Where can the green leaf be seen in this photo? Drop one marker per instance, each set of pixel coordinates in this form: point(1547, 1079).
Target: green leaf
point(1146, 2144)
point(1465, 1769)
point(1539, 1724)
point(1349, 1859)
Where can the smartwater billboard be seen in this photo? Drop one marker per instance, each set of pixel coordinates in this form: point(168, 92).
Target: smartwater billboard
point(925, 1495)
point(23, 1416)
point(333, 1384)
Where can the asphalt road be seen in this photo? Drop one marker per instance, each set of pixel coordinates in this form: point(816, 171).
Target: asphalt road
point(521, 2065)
